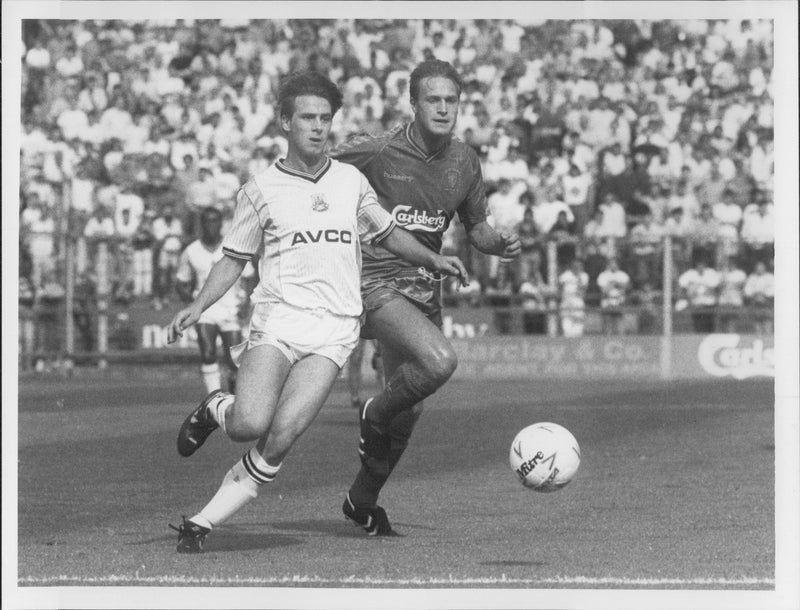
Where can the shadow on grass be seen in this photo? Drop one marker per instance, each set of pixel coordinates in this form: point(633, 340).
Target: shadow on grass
point(233, 538)
point(337, 528)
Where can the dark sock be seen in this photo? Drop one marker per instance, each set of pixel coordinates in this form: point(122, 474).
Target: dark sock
point(408, 386)
point(373, 475)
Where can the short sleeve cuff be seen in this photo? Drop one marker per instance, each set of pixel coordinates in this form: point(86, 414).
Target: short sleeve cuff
point(379, 237)
point(238, 255)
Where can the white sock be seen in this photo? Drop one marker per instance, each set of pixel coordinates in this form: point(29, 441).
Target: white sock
point(239, 486)
point(211, 377)
point(257, 467)
point(219, 409)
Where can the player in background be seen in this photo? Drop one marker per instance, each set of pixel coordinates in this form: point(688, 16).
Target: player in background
point(222, 318)
point(423, 177)
point(355, 378)
point(304, 217)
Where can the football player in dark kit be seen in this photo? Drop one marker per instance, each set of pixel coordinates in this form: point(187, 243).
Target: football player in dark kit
point(423, 176)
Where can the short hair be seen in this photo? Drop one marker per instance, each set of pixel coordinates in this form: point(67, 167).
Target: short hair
point(209, 211)
point(307, 83)
point(432, 67)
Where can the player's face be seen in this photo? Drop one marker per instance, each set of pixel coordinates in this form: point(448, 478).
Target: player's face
point(308, 128)
point(436, 107)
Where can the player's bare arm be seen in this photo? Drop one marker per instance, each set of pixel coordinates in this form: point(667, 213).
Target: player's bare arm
point(222, 276)
point(498, 243)
point(404, 244)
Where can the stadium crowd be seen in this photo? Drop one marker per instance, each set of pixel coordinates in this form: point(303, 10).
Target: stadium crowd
point(600, 137)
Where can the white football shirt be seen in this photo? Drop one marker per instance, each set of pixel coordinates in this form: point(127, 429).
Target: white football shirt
point(307, 230)
point(196, 261)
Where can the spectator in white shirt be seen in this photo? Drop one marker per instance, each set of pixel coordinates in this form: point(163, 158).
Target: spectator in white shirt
point(683, 197)
point(226, 183)
point(113, 158)
point(678, 227)
point(614, 161)
point(168, 234)
point(645, 248)
point(762, 160)
point(82, 195)
point(758, 230)
point(203, 193)
point(731, 294)
point(546, 209)
point(759, 292)
point(157, 144)
point(577, 187)
point(100, 225)
point(599, 128)
point(70, 64)
point(711, 189)
point(136, 137)
point(116, 120)
point(729, 215)
point(184, 146)
point(705, 234)
point(613, 222)
point(504, 205)
point(125, 225)
point(94, 96)
point(698, 288)
point(572, 290)
point(130, 201)
point(72, 121)
point(99, 228)
point(37, 57)
point(613, 283)
point(37, 227)
point(514, 167)
point(166, 82)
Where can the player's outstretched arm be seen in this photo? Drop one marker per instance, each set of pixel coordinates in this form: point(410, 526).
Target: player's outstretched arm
point(405, 245)
point(498, 243)
point(222, 276)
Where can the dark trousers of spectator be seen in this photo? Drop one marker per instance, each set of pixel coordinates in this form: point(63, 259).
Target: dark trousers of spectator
point(612, 321)
point(706, 252)
point(581, 213)
point(534, 323)
point(728, 318)
point(84, 325)
point(502, 315)
point(645, 269)
point(647, 322)
point(703, 320)
point(164, 273)
point(761, 253)
point(565, 254)
point(527, 264)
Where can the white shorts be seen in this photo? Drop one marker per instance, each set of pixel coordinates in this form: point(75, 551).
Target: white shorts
point(298, 333)
point(225, 318)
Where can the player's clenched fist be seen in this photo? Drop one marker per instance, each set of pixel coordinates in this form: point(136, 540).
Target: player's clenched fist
point(511, 245)
point(182, 320)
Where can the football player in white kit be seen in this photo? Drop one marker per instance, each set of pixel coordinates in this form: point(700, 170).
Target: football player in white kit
point(304, 218)
point(220, 319)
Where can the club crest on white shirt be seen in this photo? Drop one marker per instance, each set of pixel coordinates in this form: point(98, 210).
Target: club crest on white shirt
point(318, 203)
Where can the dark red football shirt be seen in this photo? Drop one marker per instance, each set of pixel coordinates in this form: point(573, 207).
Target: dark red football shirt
point(422, 192)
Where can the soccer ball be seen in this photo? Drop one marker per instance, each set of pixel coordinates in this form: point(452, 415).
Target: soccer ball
point(545, 456)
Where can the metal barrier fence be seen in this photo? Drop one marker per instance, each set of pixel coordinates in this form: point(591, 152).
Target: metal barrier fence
point(93, 329)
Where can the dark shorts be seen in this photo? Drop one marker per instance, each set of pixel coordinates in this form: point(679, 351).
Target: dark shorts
point(423, 293)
